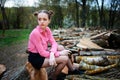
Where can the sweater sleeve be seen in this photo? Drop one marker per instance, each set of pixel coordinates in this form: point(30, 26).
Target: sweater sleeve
point(54, 44)
point(38, 44)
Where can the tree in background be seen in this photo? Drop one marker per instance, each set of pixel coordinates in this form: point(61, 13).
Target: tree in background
point(114, 13)
point(57, 19)
point(100, 10)
point(77, 13)
point(19, 12)
point(94, 21)
point(4, 23)
point(84, 14)
point(68, 13)
point(20, 16)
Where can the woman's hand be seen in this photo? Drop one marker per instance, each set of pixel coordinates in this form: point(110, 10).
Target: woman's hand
point(64, 52)
point(52, 61)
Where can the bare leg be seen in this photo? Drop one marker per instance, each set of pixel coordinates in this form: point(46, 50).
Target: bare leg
point(70, 65)
point(61, 62)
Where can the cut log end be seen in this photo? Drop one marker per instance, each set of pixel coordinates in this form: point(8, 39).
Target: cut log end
point(36, 74)
point(2, 68)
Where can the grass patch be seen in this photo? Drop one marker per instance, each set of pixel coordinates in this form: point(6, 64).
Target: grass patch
point(14, 36)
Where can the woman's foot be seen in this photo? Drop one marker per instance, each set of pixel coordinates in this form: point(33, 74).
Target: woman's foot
point(51, 76)
point(76, 72)
point(76, 66)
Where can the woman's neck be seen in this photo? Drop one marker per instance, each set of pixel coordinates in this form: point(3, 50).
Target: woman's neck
point(43, 28)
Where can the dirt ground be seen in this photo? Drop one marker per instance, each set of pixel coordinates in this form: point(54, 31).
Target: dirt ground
point(13, 57)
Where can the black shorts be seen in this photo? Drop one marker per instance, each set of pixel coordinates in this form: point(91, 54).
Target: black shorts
point(36, 60)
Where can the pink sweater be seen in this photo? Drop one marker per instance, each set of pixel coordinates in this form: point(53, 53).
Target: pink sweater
point(38, 42)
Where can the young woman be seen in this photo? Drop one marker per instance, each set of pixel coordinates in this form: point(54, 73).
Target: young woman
point(39, 53)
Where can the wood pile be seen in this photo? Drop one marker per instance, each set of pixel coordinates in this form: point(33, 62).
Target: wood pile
point(92, 44)
point(96, 36)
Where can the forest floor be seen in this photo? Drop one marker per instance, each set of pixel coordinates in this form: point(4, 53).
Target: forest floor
point(13, 57)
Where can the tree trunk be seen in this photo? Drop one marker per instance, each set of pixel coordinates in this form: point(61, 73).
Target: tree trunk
point(83, 13)
point(5, 20)
point(112, 12)
point(3, 16)
point(100, 12)
point(77, 13)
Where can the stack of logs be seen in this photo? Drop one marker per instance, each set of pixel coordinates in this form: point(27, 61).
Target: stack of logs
point(92, 48)
point(70, 37)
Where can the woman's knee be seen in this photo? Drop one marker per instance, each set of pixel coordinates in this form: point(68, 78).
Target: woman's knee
point(65, 59)
point(60, 48)
point(62, 59)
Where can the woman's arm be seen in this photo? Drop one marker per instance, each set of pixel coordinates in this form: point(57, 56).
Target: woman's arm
point(54, 44)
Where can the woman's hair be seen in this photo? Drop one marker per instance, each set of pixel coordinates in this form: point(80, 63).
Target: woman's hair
point(49, 13)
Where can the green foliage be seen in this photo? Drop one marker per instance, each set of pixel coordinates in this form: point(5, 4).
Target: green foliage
point(65, 14)
point(68, 22)
point(57, 19)
point(14, 36)
point(20, 17)
point(93, 17)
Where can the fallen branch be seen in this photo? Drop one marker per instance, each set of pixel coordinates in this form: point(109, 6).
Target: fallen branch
point(98, 35)
point(86, 43)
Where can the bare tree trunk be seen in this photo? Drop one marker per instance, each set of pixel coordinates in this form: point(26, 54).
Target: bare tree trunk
point(18, 18)
point(112, 12)
point(100, 10)
point(3, 16)
point(83, 13)
point(77, 13)
point(5, 20)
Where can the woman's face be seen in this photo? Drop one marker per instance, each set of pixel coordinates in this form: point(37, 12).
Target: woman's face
point(43, 20)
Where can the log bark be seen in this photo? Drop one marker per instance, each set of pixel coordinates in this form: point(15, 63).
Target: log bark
point(98, 53)
point(86, 77)
point(114, 40)
point(97, 64)
point(19, 73)
point(101, 42)
point(98, 70)
point(98, 60)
